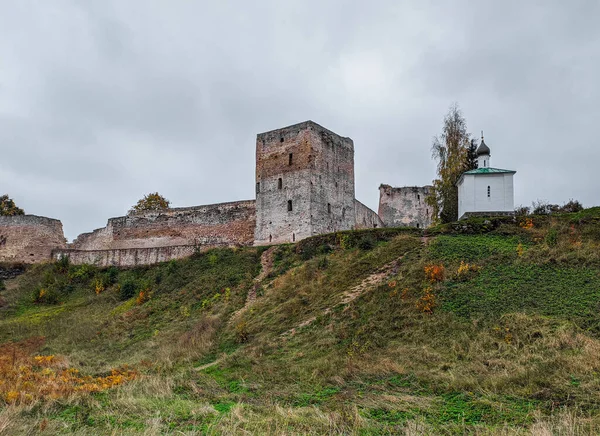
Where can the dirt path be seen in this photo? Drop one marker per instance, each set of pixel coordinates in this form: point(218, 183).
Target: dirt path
point(266, 261)
point(367, 284)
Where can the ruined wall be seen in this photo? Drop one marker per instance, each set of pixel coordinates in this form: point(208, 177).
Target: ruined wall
point(332, 183)
point(29, 238)
point(127, 257)
point(221, 224)
point(400, 207)
point(312, 168)
point(366, 218)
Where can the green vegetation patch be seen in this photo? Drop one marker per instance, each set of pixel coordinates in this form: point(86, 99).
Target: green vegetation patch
point(544, 289)
point(472, 248)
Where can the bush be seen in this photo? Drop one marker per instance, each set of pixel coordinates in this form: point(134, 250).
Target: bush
point(111, 275)
point(367, 242)
point(571, 207)
point(2, 286)
point(128, 290)
point(45, 295)
point(552, 238)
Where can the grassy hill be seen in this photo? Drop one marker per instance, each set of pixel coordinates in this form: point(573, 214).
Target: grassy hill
point(481, 327)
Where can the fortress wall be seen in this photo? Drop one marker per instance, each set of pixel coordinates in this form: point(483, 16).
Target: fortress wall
point(402, 207)
point(365, 217)
point(29, 238)
point(211, 225)
point(128, 257)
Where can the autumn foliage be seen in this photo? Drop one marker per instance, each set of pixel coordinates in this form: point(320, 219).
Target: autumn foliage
point(26, 378)
point(151, 202)
point(435, 273)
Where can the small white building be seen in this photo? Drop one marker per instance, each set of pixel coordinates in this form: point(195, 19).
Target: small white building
point(485, 190)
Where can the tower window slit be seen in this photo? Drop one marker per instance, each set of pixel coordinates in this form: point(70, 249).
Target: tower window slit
point(258, 187)
point(328, 207)
point(280, 183)
point(291, 158)
point(290, 207)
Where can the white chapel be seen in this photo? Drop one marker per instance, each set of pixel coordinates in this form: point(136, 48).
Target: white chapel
point(485, 190)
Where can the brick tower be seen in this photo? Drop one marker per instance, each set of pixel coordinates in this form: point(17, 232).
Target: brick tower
point(304, 183)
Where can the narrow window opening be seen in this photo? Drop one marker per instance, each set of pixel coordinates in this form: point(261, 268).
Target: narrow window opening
point(489, 192)
point(417, 225)
point(293, 237)
point(418, 197)
point(270, 238)
point(291, 158)
point(280, 183)
point(327, 166)
point(281, 139)
point(328, 207)
point(336, 184)
point(258, 188)
point(290, 205)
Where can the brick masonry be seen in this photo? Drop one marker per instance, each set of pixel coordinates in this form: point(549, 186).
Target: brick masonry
point(29, 238)
point(304, 187)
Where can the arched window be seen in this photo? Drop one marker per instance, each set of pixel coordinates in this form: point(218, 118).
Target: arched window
point(290, 207)
point(280, 183)
point(489, 191)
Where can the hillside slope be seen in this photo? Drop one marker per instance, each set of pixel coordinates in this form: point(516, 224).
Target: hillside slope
point(485, 327)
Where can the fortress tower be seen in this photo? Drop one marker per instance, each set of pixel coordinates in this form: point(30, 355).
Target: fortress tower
point(304, 183)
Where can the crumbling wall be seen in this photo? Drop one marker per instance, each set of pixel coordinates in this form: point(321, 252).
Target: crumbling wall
point(211, 225)
point(127, 257)
point(404, 207)
point(29, 238)
point(304, 183)
point(366, 218)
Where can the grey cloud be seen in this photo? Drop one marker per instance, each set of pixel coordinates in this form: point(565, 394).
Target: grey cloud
point(103, 101)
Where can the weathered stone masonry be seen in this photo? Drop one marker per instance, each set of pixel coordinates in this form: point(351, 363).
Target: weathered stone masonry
point(304, 187)
point(304, 183)
point(29, 238)
point(399, 207)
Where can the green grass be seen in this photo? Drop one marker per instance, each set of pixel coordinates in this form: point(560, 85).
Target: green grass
point(510, 347)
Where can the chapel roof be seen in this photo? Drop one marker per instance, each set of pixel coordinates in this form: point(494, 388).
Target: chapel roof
point(483, 148)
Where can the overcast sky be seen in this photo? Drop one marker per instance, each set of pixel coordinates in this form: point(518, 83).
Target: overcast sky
point(104, 101)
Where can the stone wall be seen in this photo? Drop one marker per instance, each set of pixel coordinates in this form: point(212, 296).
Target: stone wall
point(304, 183)
point(401, 207)
point(126, 257)
point(29, 238)
point(221, 224)
point(366, 218)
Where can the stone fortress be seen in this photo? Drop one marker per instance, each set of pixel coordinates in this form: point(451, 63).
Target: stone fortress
point(304, 187)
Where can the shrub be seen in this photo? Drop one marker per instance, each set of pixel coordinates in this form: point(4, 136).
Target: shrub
point(151, 202)
point(572, 206)
point(111, 275)
point(552, 238)
point(367, 242)
point(128, 290)
point(522, 211)
point(45, 295)
point(435, 273)
point(63, 264)
point(2, 286)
